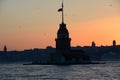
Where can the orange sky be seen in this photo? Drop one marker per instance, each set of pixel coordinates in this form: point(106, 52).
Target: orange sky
point(102, 31)
point(28, 24)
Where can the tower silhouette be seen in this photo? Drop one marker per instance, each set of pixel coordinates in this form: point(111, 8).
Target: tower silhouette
point(114, 43)
point(5, 48)
point(63, 41)
point(93, 44)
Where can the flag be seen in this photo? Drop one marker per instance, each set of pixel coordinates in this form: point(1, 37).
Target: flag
point(61, 9)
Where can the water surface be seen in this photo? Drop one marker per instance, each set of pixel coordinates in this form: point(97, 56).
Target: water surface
point(108, 71)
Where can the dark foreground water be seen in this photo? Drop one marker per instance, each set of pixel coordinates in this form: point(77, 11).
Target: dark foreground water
point(109, 71)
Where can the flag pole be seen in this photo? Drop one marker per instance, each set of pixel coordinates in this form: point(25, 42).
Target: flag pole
point(62, 12)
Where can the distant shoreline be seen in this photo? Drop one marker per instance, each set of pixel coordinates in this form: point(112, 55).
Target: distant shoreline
point(82, 63)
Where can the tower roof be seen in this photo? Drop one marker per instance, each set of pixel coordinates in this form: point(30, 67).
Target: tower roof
point(63, 29)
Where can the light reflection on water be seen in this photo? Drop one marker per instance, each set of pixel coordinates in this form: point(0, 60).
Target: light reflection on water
point(108, 71)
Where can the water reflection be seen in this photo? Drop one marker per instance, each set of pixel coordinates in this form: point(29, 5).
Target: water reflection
point(109, 71)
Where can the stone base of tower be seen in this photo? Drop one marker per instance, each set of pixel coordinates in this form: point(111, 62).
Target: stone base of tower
point(74, 57)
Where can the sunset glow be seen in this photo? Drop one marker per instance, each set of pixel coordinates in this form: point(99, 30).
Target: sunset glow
point(28, 24)
point(102, 31)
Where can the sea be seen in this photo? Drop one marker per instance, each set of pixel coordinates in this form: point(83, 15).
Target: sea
point(18, 71)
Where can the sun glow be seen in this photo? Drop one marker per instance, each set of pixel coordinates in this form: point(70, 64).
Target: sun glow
point(102, 31)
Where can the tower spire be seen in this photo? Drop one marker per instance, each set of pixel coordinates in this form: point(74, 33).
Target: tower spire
point(62, 10)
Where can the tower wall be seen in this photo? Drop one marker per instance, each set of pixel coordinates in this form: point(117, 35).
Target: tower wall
point(63, 42)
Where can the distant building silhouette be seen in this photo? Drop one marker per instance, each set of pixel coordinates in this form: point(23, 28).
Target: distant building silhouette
point(114, 43)
point(5, 48)
point(93, 44)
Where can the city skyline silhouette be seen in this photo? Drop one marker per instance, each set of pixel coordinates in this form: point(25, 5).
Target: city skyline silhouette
point(28, 25)
point(63, 53)
point(76, 40)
